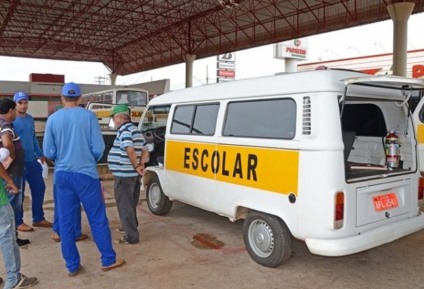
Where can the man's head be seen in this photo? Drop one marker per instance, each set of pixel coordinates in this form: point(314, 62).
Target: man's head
point(20, 95)
point(120, 114)
point(7, 109)
point(21, 100)
point(71, 91)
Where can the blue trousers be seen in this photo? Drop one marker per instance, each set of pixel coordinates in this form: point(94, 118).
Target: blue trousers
point(72, 189)
point(77, 217)
point(33, 175)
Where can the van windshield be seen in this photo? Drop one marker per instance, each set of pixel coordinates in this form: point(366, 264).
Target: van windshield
point(155, 117)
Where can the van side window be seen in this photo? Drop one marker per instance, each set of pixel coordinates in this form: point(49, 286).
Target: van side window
point(272, 118)
point(195, 119)
point(364, 119)
point(183, 117)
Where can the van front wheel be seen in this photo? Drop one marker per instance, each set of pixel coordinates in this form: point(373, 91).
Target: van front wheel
point(267, 239)
point(158, 203)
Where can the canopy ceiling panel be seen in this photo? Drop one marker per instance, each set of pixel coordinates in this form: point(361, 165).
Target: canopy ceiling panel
point(130, 36)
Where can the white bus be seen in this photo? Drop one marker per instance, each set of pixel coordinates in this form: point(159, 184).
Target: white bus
point(102, 102)
point(130, 96)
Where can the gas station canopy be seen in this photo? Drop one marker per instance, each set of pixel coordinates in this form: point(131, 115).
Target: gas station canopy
point(130, 36)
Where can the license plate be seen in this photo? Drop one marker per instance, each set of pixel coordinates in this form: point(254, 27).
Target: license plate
point(385, 202)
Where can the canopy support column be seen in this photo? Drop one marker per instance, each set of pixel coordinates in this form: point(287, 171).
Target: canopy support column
point(189, 60)
point(113, 77)
point(400, 12)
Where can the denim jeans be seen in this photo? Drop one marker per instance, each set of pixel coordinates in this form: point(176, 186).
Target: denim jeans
point(16, 199)
point(9, 247)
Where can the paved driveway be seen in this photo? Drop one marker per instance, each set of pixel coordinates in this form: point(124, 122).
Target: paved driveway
point(191, 248)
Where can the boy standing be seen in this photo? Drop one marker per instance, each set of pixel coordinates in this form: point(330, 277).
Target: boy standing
point(8, 245)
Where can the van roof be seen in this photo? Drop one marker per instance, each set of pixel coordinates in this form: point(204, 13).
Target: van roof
point(299, 82)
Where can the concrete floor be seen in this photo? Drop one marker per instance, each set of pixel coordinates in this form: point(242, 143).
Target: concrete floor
point(169, 256)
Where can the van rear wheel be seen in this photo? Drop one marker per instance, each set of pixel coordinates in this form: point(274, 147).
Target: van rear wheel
point(267, 239)
point(158, 203)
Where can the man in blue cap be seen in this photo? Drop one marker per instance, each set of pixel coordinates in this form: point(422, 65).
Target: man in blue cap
point(73, 140)
point(34, 158)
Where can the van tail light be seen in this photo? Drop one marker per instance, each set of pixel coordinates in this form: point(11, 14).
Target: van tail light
point(421, 189)
point(339, 210)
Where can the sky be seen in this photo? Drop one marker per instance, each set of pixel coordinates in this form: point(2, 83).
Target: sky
point(368, 39)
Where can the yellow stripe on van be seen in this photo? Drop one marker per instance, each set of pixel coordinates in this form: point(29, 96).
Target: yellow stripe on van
point(420, 133)
point(262, 168)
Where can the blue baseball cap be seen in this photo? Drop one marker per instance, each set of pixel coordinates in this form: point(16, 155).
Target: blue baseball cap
point(20, 95)
point(71, 89)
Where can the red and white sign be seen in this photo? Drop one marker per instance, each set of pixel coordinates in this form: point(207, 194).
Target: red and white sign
point(226, 67)
point(380, 64)
point(226, 73)
point(296, 49)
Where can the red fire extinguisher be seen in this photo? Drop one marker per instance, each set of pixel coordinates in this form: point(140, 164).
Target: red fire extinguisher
point(392, 150)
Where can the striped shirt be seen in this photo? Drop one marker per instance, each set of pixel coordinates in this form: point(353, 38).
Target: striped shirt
point(16, 168)
point(128, 135)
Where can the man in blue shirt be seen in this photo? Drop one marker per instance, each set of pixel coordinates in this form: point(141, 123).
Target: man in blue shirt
point(25, 128)
point(73, 140)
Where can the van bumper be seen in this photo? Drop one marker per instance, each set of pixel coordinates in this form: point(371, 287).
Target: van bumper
point(366, 240)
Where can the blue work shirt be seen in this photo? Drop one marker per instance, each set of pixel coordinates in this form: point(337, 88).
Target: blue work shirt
point(73, 140)
point(25, 128)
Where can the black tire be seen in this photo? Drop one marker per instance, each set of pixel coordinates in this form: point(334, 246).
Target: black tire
point(267, 239)
point(158, 203)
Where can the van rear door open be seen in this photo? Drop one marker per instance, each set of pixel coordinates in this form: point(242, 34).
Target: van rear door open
point(418, 117)
point(372, 107)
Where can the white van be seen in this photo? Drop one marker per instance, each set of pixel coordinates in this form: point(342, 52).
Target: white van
point(417, 105)
point(301, 155)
